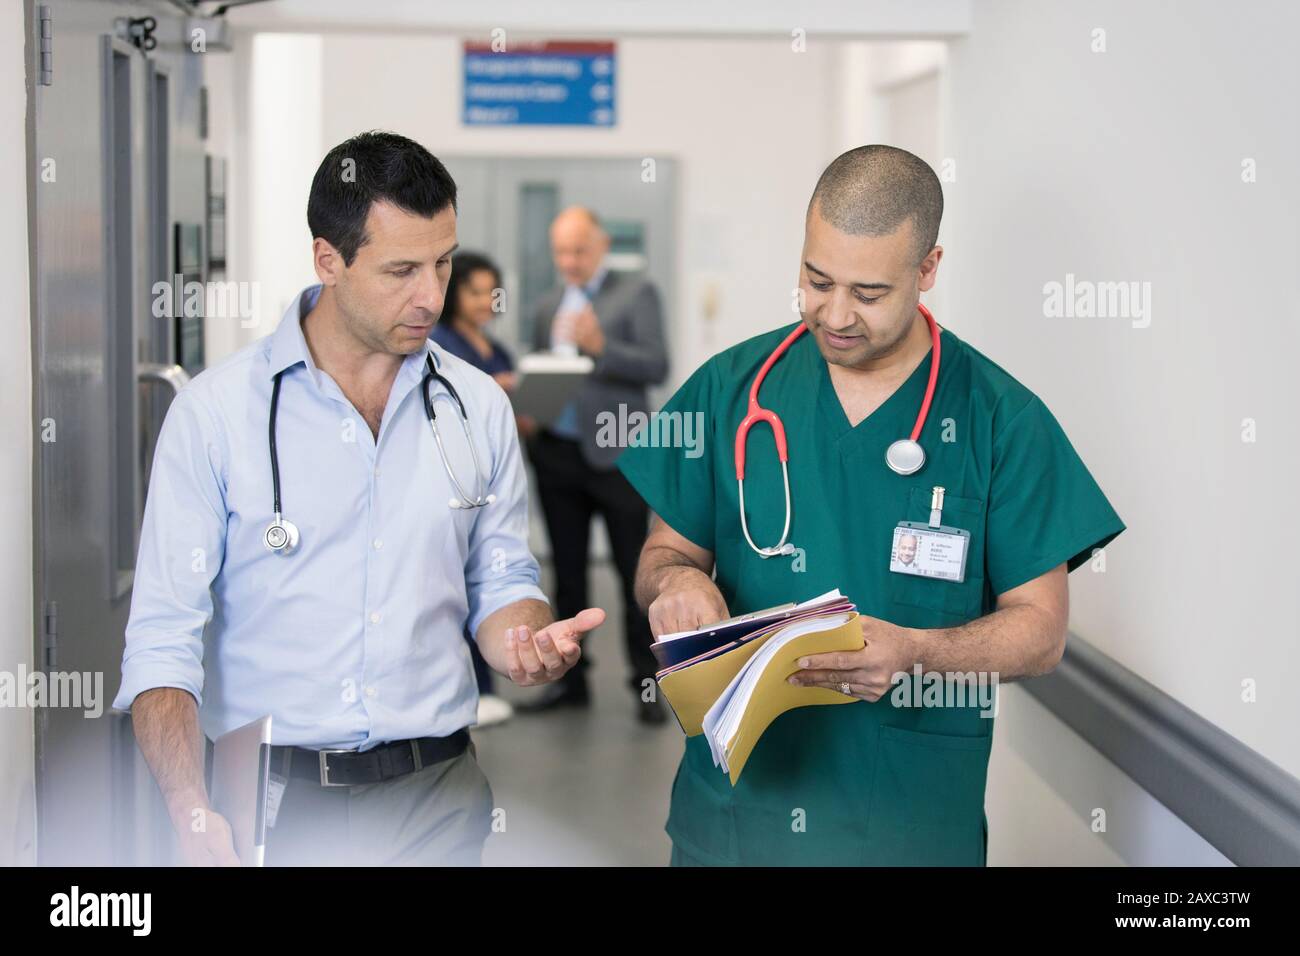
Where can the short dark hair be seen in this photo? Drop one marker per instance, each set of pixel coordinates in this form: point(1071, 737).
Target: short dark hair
point(373, 167)
point(871, 190)
point(463, 265)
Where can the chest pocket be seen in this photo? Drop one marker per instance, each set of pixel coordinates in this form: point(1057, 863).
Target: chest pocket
point(962, 601)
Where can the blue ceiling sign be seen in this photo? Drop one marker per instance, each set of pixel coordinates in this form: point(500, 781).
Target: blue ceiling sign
point(553, 83)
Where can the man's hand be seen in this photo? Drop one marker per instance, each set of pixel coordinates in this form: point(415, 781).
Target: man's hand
point(166, 725)
point(869, 672)
point(204, 835)
point(545, 656)
point(688, 599)
point(587, 334)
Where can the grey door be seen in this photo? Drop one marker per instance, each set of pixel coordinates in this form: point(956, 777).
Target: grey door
point(103, 380)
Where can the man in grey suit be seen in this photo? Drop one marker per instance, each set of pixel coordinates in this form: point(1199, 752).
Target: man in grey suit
point(617, 320)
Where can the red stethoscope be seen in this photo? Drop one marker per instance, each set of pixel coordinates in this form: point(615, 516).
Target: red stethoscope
point(904, 457)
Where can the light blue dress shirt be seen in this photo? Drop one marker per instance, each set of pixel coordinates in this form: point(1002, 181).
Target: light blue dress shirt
point(356, 638)
point(574, 299)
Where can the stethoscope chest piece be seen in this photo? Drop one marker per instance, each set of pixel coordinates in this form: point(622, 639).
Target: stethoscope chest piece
point(281, 536)
point(905, 457)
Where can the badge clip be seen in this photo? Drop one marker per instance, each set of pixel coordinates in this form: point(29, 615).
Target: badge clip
point(936, 506)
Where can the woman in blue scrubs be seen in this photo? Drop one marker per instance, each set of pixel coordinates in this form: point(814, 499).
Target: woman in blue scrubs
point(472, 291)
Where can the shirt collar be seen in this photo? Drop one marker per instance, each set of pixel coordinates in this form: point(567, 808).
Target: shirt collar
point(596, 281)
point(289, 346)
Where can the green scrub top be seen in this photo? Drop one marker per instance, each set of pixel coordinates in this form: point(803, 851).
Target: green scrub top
point(867, 783)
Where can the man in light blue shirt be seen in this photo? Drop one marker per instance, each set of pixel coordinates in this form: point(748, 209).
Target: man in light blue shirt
point(352, 641)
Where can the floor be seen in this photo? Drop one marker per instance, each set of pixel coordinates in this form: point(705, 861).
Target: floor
point(582, 787)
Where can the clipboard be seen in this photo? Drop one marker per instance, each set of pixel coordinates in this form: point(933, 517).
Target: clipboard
point(547, 383)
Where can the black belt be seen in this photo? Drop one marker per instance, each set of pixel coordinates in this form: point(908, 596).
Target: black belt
point(352, 768)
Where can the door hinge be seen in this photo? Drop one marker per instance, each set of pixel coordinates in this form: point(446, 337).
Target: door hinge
point(50, 638)
point(45, 56)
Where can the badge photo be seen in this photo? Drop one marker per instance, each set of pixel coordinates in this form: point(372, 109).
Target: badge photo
point(930, 550)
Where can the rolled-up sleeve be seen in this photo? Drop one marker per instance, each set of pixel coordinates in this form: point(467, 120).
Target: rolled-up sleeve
point(182, 545)
point(500, 569)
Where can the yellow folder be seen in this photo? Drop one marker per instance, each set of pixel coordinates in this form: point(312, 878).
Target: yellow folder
point(692, 690)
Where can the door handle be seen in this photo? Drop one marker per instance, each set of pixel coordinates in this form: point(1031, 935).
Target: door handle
point(150, 422)
point(159, 374)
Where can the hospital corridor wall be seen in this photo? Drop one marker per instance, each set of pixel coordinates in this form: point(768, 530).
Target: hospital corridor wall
point(1129, 164)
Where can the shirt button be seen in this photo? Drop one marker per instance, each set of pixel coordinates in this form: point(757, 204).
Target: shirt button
point(378, 544)
point(370, 692)
point(376, 472)
point(375, 617)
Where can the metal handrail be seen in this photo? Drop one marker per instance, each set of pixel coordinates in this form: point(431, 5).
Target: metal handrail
point(1239, 801)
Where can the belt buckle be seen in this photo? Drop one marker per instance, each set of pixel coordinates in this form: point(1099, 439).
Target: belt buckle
point(324, 767)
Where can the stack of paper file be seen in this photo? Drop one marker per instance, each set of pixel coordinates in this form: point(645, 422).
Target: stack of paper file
point(729, 680)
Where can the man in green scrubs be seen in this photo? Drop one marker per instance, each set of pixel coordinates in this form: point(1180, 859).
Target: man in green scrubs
point(870, 782)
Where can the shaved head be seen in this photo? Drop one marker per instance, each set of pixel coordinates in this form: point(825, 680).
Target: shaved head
point(873, 190)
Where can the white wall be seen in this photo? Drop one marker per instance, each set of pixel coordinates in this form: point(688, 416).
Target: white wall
point(17, 748)
point(266, 106)
point(226, 76)
point(1126, 165)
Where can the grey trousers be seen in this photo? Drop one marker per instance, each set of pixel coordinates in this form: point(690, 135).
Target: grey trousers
point(438, 816)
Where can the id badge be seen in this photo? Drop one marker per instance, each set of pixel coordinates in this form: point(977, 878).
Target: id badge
point(930, 551)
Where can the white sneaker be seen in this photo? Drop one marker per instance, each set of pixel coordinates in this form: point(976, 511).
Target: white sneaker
point(493, 710)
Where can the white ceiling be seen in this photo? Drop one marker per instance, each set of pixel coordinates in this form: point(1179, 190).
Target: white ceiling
point(845, 19)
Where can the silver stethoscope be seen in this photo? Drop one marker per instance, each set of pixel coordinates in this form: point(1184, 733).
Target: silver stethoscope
point(282, 536)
